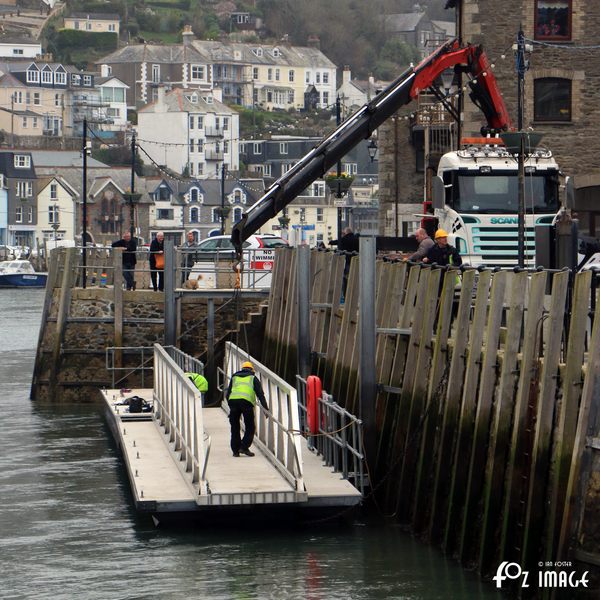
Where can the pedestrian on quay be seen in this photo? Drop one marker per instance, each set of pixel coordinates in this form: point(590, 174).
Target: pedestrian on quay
point(442, 253)
point(129, 258)
point(157, 262)
point(243, 390)
point(198, 380)
point(189, 256)
point(425, 244)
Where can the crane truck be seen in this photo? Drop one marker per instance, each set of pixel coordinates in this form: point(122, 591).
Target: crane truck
point(477, 187)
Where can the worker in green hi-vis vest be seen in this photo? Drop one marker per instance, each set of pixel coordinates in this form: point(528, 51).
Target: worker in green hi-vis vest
point(242, 392)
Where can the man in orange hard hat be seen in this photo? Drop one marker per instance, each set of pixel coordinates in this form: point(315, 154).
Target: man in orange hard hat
point(243, 390)
point(442, 253)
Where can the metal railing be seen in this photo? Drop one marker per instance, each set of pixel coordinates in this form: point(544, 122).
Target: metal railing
point(339, 436)
point(278, 429)
point(179, 410)
point(146, 362)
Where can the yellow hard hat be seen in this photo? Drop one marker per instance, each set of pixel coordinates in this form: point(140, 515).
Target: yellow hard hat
point(440, 233)
point(248, 365)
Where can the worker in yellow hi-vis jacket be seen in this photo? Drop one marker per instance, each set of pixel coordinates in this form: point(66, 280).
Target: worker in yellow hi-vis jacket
point(243, 390)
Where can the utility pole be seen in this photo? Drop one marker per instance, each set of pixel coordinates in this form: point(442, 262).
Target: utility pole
point(338, 120)
point(521, 68)
point(131, 207)
point(84, 205)
point(223, 198)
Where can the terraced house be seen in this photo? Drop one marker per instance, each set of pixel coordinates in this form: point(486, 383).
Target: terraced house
point(265, 75)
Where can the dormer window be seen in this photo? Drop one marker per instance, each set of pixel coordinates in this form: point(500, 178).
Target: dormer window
point(208, 99)
point(22, 161)
point(87, 80)
point(75, 79)
point(60, 78)
point(193, 98)
point(33, 75)
point(276, 53)
point(47, 75)
point(258, 52)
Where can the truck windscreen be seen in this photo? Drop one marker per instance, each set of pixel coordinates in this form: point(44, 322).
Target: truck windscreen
point(499, 192)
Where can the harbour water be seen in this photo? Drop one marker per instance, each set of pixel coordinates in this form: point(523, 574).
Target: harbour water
point(68, 529)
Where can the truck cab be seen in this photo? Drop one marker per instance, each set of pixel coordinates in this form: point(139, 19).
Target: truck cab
point(479, 199)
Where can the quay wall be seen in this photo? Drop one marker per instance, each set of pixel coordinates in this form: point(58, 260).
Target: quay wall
point(487, 407)
point(78, 325)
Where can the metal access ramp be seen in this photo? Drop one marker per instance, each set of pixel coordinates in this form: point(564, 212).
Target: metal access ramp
point(178, 457)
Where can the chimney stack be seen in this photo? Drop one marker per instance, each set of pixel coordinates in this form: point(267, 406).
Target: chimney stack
point(347, 74)
point(187, 35)
point(314, 42)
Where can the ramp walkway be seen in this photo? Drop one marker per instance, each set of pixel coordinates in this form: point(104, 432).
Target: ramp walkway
point(178, 457)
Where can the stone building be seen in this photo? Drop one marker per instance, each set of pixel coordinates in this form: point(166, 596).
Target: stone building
point(561, 94)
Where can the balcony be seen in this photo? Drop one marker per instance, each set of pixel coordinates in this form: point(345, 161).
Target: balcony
point(212, 154)
point(214, 132)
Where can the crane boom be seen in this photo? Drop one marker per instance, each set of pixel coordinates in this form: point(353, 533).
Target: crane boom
point(485, 94)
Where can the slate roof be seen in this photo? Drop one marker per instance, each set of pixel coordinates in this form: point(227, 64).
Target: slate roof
point(176, 101)
point(95, 16)
point(403, 21)
point(62, 158)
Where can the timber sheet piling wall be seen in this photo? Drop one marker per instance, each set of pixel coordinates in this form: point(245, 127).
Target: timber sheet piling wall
point(488, 399)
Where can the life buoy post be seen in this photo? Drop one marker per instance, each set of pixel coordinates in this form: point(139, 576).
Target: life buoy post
point(314, 391)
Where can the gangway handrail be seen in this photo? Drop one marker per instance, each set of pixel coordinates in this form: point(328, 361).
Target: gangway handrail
point(338, 438)
point(277, 430)
point(179, 411)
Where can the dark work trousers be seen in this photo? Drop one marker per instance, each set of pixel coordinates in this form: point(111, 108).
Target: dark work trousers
point(238, 408)
point(128, 276)
point(155, 275)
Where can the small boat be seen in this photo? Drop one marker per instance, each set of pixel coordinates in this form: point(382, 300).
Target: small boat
point(20, 273)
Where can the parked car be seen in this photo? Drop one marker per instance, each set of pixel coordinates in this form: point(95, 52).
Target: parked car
point(258, 256)
point(261, 249)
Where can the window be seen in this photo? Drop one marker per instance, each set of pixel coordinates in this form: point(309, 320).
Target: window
point(53, 216)
point(199, 148)
point(192, 121)
point(255, 73)
point(18, 97)
point(267, 170)
point(291, 97)
point(200, 122)
point(87, 80)
point(164, 213)
point(318, 189)
point(257, 148)
point(258, 52)
point(60, 78)
point(33, 75)
point(302, 213)
point(325, 77)
point(47, 76)
point(320, 217)
point(270, 74)
point(214, 216)
point(552, 99)
point(553, 19)
point(19, 214)
point(194, 194)
point(88, 26)
point(155, 73)
point(198, 73)
point(317, 77)
point(285, 167)
point(200, 170)
point(191, 167)
point(34, 122)
point(283, 147)
point(325, 99)
point(276, 53)
point(307, 77)
point(226, 147)
point(24, 123)
point(30, 214)
point(76, 24)
point(237, 214)
point(27, 97)
point(225, 123)
point(237, 196)
point(75, 79)
point(57, 99)
point(111, 27)
point(192, 145)
point(17, 50)
point(291, 75)
point(277, 74)
point(22, 161)
point(53, 191)
point(350, 168)
point(194, 214)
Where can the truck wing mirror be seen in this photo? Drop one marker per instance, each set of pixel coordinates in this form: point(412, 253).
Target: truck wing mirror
point(438, 192)
point(569, 199)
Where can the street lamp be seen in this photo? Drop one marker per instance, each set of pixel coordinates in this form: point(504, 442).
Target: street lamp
point(372, 149)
